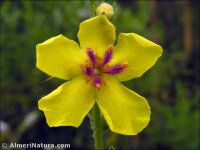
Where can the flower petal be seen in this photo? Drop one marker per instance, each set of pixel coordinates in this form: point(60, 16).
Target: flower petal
point(97, 33)
point(68, 104)
point(60, 57)
point(125, 111)
point(140, 53)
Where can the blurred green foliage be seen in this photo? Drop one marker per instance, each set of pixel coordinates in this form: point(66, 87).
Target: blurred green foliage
point(171, 86)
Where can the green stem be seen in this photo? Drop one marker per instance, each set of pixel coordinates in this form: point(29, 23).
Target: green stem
point(96, 119)
point(97, 128)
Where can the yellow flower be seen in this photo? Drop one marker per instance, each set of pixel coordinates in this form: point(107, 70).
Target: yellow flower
point(94, 71)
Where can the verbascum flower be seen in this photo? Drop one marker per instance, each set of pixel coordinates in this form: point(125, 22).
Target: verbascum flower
point(94, 70)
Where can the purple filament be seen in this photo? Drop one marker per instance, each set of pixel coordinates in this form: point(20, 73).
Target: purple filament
point(97, 80)
point(88, 71)
point(115, 69)
point(107, 57)
point(92, 56)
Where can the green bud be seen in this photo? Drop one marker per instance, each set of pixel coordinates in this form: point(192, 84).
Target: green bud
point(105, 9)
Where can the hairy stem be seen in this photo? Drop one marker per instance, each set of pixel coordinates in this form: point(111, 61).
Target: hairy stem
point(97, 128)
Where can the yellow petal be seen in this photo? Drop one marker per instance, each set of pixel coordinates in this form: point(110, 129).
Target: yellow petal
point(140, 53)
point(68, 104)
point(97, 33)
point(125, 111)
point(60, 57)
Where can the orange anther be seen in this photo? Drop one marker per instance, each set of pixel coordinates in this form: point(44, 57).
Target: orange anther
point(125, 65)
point(88, 49)
point(97, 86)
point(110, 47)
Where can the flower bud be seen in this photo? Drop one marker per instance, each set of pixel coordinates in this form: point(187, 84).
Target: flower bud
point(105, 9)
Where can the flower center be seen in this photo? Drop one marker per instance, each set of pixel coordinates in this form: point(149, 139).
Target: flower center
point(95, 67)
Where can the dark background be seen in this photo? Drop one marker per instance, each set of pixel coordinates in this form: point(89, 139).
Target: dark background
point(171, 86)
